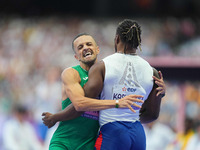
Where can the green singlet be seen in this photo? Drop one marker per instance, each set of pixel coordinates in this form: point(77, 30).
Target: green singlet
point(79, 133)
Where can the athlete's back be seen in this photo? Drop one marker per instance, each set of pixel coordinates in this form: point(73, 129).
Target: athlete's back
point(125, 75)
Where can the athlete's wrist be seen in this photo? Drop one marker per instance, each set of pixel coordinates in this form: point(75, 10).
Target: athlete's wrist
point(117, 103)
point(56, 118)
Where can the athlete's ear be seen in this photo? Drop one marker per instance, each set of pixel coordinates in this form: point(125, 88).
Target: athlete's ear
point(77, 58)
point(117, 39)
point(97, 50)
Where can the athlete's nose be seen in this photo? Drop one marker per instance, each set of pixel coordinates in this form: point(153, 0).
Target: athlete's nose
point(85, 47)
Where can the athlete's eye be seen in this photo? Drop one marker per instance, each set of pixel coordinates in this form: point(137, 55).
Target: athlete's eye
point(80, 46)
point(89, 44)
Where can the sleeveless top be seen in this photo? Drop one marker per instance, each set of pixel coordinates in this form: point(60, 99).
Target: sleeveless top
point(124, 75)
point(79, 133)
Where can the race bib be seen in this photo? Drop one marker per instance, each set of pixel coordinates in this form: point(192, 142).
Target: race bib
point(91, 114)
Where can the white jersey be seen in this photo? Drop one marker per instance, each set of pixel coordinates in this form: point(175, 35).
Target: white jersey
point(124, 75)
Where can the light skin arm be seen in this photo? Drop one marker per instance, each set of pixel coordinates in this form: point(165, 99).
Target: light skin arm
point(69, 112)
point(151, 107)
point(81, 103)
point(75, 92)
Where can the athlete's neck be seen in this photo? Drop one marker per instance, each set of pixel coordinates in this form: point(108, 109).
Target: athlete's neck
point(86, 66)
point(120, 48)
point(128, 52)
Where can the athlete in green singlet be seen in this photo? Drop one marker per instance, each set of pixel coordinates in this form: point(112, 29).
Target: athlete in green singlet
point(86, 128)
point(80, 133)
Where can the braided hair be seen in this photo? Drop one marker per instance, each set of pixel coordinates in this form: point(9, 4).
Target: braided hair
point(130, 33)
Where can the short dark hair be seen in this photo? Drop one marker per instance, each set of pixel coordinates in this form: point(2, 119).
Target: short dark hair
point(129, 32)
point(81, 34)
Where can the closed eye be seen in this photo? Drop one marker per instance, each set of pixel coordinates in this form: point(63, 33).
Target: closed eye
point(80, 46)
point(89, 44)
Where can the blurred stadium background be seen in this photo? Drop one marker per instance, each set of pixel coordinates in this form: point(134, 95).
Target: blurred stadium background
point(35, 46)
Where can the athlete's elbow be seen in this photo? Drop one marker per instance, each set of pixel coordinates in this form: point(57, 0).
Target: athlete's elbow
point(148, 117)
point(154, 116)
point(79, 107)
point(78, 103)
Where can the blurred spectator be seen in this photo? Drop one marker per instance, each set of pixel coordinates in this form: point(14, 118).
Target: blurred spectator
point(47, 98)
point(158, 136)
point(183, 139)
point(18, 133)
point(49, 135)
point(2, 121)
point(194, 143)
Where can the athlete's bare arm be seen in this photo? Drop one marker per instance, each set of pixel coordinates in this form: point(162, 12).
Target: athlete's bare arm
point(73, 89)
point(81, 103)
point(95, 83)
point(151, 107)
point(69, 112)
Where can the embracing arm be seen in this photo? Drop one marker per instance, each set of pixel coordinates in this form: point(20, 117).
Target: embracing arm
point(66, 114)
point(151, 107)
point(94, 87)
point(73, 89)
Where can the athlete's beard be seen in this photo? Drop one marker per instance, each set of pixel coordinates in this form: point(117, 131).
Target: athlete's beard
point(89, 63)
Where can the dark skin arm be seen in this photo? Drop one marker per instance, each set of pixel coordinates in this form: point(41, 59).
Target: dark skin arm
point(151, 107)
point(91, 89)
point(95, 84)
point(68, 113)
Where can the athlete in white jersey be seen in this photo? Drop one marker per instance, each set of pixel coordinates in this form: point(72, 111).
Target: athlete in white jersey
point(118, 75)
point(124, 75)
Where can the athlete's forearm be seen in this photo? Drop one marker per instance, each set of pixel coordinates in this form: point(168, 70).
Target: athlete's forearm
point(67, 114)
point(151, 108)
point(82, 103)
point(89, 104)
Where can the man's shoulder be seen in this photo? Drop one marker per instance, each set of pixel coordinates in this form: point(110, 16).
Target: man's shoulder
point(98, 67)
point(72, 68)
point(99, 64)
point(69, 71)
point(76, 67)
